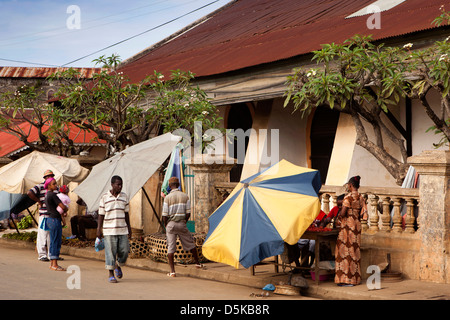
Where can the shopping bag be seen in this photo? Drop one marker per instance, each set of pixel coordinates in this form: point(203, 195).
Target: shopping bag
point(44, 225)
point(99, 244)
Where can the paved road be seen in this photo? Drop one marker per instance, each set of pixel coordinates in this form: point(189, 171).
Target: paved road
point(22, 276)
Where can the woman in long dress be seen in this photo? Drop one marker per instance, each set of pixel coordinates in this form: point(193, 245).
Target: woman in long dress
point(348, 255)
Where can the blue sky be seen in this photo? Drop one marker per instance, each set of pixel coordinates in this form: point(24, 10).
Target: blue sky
point(52, 33)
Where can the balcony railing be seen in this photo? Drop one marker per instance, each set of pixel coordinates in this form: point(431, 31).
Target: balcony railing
point(389, 209)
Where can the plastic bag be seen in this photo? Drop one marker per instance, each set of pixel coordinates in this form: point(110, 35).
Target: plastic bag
point(99, 244)
point(44, 225)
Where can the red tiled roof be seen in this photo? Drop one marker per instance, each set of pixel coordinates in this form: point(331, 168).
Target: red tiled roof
point(253, 32)
point(10, 144)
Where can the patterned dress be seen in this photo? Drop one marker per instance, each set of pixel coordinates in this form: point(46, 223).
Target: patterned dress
point(348, 255)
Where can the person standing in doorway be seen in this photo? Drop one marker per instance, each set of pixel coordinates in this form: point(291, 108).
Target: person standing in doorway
point(37, 193)
point(175, 214)
point(114, 225)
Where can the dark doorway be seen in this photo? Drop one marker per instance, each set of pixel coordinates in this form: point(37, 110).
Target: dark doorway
point(323, 132)
point(239, 117)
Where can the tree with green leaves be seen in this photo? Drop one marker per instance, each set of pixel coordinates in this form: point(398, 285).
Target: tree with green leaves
point(118, 111)
point(365, 80)
point(124, 113)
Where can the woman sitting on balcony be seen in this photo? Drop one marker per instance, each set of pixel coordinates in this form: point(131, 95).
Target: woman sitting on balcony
point(348, 256)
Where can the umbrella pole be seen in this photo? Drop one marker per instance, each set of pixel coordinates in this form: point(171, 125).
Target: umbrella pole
point(14, 223)
point(32, 217)
point(149, 201)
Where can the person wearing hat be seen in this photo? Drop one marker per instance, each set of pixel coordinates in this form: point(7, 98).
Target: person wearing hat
point(52, 202)
point(175, 214)
point(37, 194)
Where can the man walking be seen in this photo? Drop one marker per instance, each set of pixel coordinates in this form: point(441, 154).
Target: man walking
point(175, 214)
point(37, 193)
point(114, 224)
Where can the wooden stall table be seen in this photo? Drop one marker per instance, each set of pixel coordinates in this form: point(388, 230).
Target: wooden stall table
point(266, 261)
point(319, 236)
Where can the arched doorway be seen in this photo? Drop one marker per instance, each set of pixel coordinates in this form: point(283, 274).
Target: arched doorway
point(322, 134)
point(239, 117)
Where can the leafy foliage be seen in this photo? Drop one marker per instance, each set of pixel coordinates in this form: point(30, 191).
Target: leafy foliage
point(24, 236)
point(124, 113)
point(25, 222)
point(365, 80)
point(120, 112)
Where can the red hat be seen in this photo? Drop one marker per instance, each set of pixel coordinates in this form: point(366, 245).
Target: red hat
point(63, 189)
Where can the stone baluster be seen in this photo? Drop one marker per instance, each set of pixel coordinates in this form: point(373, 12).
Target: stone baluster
point(409, 221)
point(386, 215)
point(373, 213)
point(326, 202)
point(334, 200)
point(397, 217)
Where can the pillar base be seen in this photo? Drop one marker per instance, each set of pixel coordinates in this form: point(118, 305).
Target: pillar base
point(433, 167)
point(208, 171)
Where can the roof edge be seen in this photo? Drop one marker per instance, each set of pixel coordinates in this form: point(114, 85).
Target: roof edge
point(304, 54)
point(173, 36)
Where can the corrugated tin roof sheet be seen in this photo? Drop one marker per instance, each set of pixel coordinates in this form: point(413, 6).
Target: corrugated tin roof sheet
point(40, 72)
point(253, 32)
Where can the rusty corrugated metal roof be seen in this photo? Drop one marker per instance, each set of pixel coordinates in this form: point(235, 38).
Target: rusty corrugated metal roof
point(41, 72)
point(253, 32)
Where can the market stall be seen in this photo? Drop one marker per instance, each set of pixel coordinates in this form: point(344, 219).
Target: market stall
point(319, 235)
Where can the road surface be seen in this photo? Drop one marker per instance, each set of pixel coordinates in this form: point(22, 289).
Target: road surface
point(23, 277)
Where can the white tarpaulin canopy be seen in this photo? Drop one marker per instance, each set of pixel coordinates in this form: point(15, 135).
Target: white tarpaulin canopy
point(135, 165)
point(21, 175)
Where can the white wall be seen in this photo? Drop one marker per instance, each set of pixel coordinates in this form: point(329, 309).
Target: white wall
point(347, 158)
point(423, 140)
point(283, 137)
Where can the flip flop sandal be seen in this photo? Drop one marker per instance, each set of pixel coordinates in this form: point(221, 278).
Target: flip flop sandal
point(118, 272)
point(172, 274)
point(58, 268)
point(112, 280)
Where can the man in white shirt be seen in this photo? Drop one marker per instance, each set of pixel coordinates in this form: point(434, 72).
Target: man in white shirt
point(114, 224)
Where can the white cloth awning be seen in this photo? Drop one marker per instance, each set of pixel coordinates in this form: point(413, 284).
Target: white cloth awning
point(135, 165)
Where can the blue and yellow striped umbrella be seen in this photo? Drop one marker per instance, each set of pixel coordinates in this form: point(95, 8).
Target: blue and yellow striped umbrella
point(263, 211)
